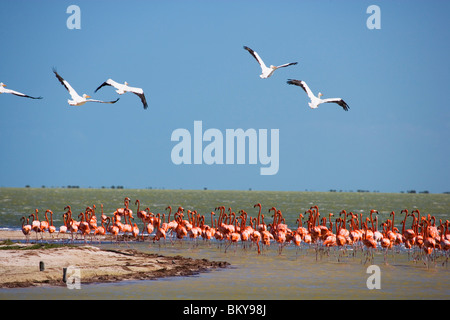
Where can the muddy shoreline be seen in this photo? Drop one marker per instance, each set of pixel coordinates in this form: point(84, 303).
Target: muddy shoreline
point(20, 267)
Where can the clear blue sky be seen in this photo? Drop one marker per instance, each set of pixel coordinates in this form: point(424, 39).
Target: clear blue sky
point(188, 58)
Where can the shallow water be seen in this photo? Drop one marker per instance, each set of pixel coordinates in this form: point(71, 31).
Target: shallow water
point(303, 273)
point(295, 274)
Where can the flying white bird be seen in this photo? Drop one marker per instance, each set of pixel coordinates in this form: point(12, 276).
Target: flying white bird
point(3, 90)
point(77, 100)
point(266, 71)
point(315, 101)
point(122, 88)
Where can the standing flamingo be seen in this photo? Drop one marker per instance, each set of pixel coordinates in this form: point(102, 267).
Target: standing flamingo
point(103, 216)
point(377, 235)
point(35, 224)
point(122, 211)
point(260, 226)
point(302, 231)
point(429, 242)
point(149, 221)
point(113, 229)
point(444, 242)
point(93, 224)
point(180, 230)
point(126, 227)
point(256, 239)
point(63, 228)
point(51, 227)
point(385, 242)
point(26, 228)
point(135, 231)
point(84, 225)
point(408, 234)
point(171, 224)
point(160, 232)
point(234, 236)
point(100, 231)
point(141, 214)
point(369, 242)
point(73, 227)
point(340, 238)
point(44, 224)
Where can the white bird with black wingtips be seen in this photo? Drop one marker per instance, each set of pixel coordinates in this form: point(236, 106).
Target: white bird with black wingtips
point(19, 94)
point(77, 100)
point(315, 101)
point(266, 71)
point(123, 88)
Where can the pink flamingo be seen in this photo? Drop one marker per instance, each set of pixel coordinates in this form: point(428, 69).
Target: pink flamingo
point(51, 227)
point(26, 228)
point(44, 224)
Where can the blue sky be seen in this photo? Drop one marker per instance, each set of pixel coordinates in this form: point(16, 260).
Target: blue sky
point(188, 58)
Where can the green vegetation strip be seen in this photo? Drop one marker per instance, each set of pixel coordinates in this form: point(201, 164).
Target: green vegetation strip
point(10, 245)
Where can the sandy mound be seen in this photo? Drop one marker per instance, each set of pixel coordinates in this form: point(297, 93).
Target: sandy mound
point(21, 268)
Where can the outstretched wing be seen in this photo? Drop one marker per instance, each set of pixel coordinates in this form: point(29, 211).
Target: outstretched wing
point(69, 88)
point(303, 85)
point(142, 96)
point(139, 92)
point(287, 64)
point(92, 100)
point(339, 101)
point(108, 82)
point(256, 56)
point(19, 94)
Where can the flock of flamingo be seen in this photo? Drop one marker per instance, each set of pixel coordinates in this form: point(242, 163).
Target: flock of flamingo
point(347, 229)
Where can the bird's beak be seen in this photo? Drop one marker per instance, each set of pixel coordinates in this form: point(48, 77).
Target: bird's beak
point(3, 85)
point(88, 96)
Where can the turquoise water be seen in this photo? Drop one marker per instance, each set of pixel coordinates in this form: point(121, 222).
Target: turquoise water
point(303, 273)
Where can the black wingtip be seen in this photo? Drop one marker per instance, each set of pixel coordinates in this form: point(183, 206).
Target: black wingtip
point(102, 85)
point(345, 106)
point(291, 81)
point(32, 97)
point(99, 87)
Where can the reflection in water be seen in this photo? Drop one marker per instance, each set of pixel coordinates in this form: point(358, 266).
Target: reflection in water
point(295, 274)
